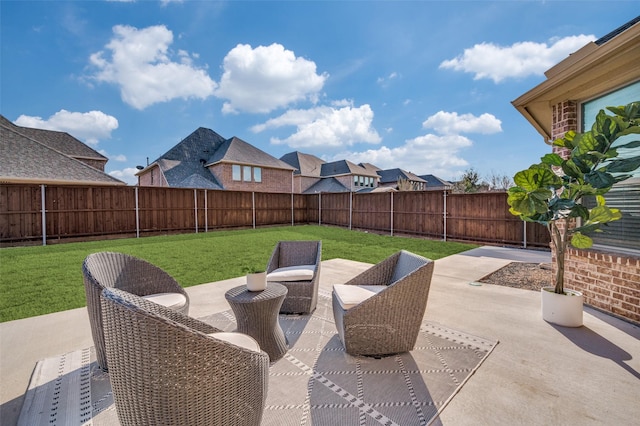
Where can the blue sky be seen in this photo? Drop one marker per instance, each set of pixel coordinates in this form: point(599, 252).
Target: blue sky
point(425, 86)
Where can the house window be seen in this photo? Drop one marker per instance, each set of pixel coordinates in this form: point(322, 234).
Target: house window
point(623, 233)
point(257, 174)
point(246, 173)
point(236, 172)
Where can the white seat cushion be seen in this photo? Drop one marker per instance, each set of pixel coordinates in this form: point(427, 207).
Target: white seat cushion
point(238, 339)
point(292, 273)
point(350, 295)
point(170, 300)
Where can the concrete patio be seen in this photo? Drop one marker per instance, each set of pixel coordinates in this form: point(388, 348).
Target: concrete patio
point(538, 373)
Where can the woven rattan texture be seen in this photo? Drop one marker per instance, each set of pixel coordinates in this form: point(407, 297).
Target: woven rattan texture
point(256, 314)
point(388, 322)
point(117, 270)
point(302, 296)
point(165, 369)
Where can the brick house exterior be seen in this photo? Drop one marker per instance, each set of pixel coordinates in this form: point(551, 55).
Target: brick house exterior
point(206, 160)
point(609, 68)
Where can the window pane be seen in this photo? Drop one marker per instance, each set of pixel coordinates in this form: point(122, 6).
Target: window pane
point(257, 174)
point(625, 195)
point(235, 170)
point(246, 173)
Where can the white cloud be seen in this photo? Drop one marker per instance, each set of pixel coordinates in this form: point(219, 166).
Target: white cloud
point(384, 81)
point(430, 153)
point(118, 157)
point(266, 78)
point(88, 126)
point(127, 175)
point(325, 127)
point(139, 62)
point(438, 155)
point(447, 123)
point(487, 60)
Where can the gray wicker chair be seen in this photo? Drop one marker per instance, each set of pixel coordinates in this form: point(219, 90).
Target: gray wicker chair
point(167, 368)
point(302, 295)
point(387, 322)
point(136, 276)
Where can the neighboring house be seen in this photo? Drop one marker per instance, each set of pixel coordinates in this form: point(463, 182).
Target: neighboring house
point(313, 175)
point(204, 159)
point(400, 179)
point(603, 73)
point(41, 156)
point(434, 183)
point(308, 169)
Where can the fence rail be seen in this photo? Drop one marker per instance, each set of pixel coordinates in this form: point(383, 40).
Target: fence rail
point(56, 213)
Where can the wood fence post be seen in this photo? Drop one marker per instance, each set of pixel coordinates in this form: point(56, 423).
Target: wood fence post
point(319, 208)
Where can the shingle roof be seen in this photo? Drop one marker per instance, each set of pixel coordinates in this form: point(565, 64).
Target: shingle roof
point(369, 166)
point(392, 176)
point(435, 182)
point(24, 159)
point(345, 167)
point(326, 185)
point(60, 141)
point(305, 164)
point(235, 150)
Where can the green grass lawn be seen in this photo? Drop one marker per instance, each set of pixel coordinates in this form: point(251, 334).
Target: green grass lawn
point(45, 279)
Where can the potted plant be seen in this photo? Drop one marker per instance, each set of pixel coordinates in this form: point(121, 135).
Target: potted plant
point(256, 278)
point(551, 193)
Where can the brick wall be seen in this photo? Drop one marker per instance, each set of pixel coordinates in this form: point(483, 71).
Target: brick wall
point(152, 177)
point(273, 180)
point(609, 281)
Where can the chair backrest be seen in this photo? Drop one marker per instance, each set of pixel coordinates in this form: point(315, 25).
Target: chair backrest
point(291, 253)
point(164, 369)
point(406, 264)
point(128, 273)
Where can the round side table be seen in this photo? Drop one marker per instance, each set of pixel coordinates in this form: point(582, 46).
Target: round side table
point(256, 314)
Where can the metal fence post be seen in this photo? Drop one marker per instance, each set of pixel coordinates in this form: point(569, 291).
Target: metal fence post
point(137, 214)
point(350, 209)
point(195, 207)
point(391, 194)
point(206, 214)
point(444, 213)
point(44, 215)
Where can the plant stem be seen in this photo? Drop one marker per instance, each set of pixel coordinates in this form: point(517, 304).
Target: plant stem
point(559, 239)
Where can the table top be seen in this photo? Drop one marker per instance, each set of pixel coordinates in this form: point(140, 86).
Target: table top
point(240, 294)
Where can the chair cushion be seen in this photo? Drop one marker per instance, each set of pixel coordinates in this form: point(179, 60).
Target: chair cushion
point(292, 273)
point(238, 339)
point(173, 301)
point(350, 295)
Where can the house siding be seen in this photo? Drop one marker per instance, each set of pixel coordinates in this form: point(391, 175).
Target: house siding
point(609, 281)
point(158, 179)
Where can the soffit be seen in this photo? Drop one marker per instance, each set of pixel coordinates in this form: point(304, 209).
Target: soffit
point(593, 71)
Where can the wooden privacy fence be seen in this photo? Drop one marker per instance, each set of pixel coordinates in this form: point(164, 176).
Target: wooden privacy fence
point(52, 213)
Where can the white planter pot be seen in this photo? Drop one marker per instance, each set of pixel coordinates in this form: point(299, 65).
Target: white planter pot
point(562, 309)
point(257, 281)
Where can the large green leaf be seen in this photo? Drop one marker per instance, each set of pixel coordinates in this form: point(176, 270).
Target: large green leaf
point(603, 214)
point(536, 177)
point(599, 179)
point(581, 241)
point(623, 165)
point(552, 159)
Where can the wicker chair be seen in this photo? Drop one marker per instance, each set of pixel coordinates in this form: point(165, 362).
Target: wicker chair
point(167, 368)
point(386, 306)
point(296, 265)
point(136, 276)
